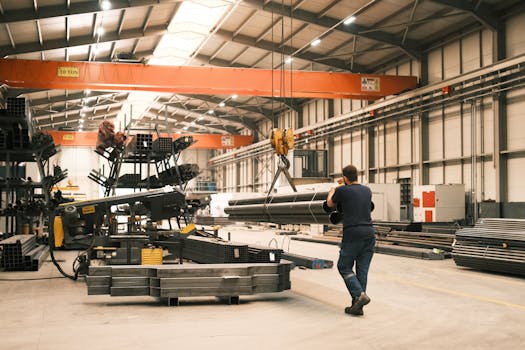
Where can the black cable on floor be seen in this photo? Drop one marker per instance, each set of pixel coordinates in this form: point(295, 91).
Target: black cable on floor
point(31, 279)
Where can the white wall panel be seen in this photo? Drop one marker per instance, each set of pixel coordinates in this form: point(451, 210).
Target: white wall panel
point(404, 142)
point(453, 174)
point(312, 113)
point(391, 144)
point(515, 26)
point(346, 106)
point(416, 68)
point(357, 149)
point(470, 52)
point(404, 173)
point(379, 143)
point(487, 49)
point(489, 181)
point(391, 176)
point(488, 126)
point(466, 130)
point(358, 104)
point(452, 132)
point(434, 66)
point(338, 154)
point(435, 175)
point(404, 69)
point(347, 153)
point(451, 60)
point(516, 169)
point(467, 176)
point(435, 135)
point(516, 119)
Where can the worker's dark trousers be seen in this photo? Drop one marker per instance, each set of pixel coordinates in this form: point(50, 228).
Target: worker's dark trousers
point(360, 252)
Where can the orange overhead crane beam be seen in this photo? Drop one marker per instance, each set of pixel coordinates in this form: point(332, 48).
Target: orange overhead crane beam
point(34, 74)
point(204, 141)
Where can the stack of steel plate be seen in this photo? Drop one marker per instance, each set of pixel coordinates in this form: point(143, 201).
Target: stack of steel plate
point(213, 251)
point(21, 253)
point(298, 208)
point(189, 280)
point(493, 245)
point(263, 254)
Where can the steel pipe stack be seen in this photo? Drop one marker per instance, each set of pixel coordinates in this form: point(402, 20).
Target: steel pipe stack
point(297, 208)
point(492, 244)
point(21, 253)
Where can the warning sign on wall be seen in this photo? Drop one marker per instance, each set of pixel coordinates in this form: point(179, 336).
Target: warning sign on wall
point(370, 84)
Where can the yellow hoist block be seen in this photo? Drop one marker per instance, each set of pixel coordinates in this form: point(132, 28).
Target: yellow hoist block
point(282, 141)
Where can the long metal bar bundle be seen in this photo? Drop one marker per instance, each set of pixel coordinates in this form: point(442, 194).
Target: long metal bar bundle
point(493, 245)
point(189, 280)
point(302, 208)
point(211, 251)
point(307, 261)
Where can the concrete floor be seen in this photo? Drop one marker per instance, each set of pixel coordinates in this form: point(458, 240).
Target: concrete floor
point(416, 304)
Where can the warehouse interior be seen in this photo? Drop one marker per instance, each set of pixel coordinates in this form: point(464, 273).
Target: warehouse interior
point(165, 170)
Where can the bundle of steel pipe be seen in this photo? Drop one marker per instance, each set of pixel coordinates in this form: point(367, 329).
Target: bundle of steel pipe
point(493, 245)
point(189, 280)
point(297, 208)
point(19, 253)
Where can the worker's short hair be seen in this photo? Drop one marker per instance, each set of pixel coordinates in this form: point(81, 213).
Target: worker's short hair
point(350, 172)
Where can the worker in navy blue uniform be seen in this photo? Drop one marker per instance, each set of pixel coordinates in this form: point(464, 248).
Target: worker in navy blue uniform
point(357, 246)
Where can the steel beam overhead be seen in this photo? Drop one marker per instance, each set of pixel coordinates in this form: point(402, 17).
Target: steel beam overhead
point(410, 47)
point(233, 104)
point(481, 12)
point(77, 8)
point(199, 80)
point(287, 50)
point(66, 98)
point(81, 41)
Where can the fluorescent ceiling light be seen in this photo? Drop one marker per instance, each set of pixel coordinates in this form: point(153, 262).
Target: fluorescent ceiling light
point(186, 128)
point(315, 42)
point(201, 118)
point(222, 104)
point(349, 20)
point(88, 92)
point(288, 59)
point(234, 96)
point(193, 122)
point(105, 5)
point(100, 31)
point(211, 111)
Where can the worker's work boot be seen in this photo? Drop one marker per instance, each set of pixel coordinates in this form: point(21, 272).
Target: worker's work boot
point(356, 312)
point(357, 305)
